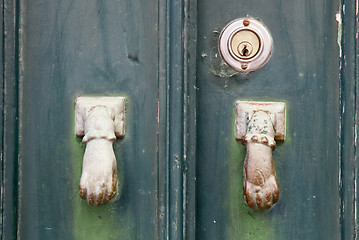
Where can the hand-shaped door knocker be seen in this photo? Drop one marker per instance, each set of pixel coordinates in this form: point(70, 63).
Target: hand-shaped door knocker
point(99, 120)
point(259, 124)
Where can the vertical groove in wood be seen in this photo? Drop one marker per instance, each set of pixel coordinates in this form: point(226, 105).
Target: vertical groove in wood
point(9, 119)
point(162, 109)
point(175, 120)
point(2, 117)
point(348, 118)
point(340, 165)
point(189, 128)
point(356, 99)
point(177, 108)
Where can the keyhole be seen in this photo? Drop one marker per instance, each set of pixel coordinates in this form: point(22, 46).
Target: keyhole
point(245, 51)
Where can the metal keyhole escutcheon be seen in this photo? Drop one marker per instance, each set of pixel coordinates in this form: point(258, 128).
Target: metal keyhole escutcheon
point(245, 44)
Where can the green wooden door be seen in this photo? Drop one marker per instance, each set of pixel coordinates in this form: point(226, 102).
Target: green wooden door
point(68, 49)
point(179, 164)
point(316, 163)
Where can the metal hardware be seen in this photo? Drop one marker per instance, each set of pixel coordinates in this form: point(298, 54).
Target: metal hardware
point(258, 125)
point(245, 44)
point(99, 120)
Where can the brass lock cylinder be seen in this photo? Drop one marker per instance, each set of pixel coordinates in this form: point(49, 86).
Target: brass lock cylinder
point(245, 44)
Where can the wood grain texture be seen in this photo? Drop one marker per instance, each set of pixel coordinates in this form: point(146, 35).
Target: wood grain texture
point(304, 73)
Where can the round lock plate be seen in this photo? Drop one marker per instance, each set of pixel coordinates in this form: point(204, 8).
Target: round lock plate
point(245, 44)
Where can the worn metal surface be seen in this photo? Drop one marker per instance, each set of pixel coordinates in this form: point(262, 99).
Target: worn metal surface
point(260, 184)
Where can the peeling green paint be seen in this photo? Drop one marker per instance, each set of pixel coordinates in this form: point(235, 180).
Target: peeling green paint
point(339, 19)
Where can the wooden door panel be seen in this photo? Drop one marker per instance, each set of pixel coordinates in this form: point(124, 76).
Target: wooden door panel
point(302, 72)
point(70, 49)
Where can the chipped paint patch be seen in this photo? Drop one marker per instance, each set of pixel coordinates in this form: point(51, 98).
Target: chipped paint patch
point(338, 18)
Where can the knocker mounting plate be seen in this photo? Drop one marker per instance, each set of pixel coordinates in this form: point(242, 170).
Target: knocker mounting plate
point(245, 110)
